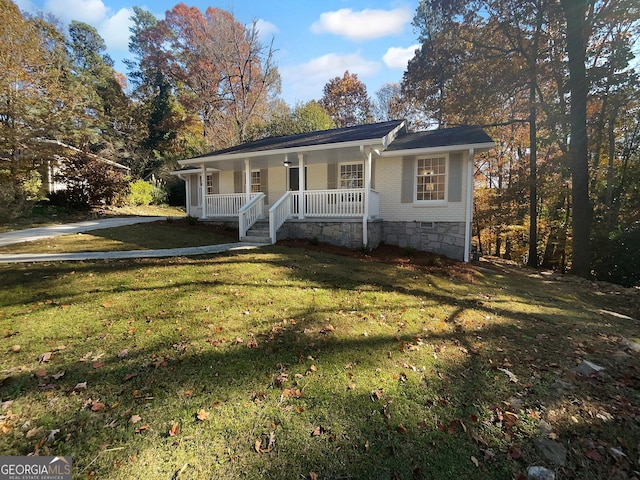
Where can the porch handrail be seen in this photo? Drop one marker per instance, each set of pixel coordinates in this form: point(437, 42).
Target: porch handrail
point(279, 213)
point(224, 204)
point(249, 213)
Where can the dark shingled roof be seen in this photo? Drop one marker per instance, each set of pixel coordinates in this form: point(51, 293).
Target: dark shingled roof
point(440, 138)
point(322, 137)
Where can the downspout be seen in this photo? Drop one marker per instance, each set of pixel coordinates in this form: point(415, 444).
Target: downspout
point(469, 207)
point(303, 187)
point(203, 189)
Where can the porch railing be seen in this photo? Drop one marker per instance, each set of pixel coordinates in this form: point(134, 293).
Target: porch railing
point(280, 212)
point(225, 204)
point(334, 203)
point(249, 213)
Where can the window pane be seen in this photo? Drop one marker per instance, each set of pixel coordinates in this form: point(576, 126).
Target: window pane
point(431, 176)
point(351, 175)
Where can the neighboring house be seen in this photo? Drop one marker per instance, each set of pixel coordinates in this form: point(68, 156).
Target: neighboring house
point(54, 184)
point(352, 186)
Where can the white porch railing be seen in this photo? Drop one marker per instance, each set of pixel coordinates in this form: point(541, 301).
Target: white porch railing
point(249, 213)
point(225, 204)
point(280, 212)
point(335, 203)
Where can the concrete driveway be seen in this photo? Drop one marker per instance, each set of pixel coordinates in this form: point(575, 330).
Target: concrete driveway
point(31, 234)
point(38, 233)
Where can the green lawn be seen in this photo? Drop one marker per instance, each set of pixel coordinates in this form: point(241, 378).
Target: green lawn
point(175, 233)
point(288, 363)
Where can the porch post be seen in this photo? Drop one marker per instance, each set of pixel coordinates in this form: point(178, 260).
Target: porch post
point(468, 218)
point(367, 194)
point(203, 189)
point(303, 187)
point(247, 179)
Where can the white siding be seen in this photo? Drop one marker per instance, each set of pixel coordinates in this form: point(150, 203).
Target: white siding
point(317, 176)
point(277, 183)
point(226, 182)
point(388, 184)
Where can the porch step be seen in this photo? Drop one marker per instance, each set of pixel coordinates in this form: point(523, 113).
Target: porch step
point(258, 233)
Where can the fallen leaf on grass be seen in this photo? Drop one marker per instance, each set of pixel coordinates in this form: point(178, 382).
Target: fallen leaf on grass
point(129, 376)
point(5, 428)
point(41, 372)
point(292, 392)
point(98, 364)
point(80, 386)
point(174, 430)
point(203, 415)
point(512, 377)
point(402, 429)
point(319, 430)
point(135, 419)
point(514, 452)
point(58, 376)
point(16, 348)
point(123, 353)
point(376, 394)
point(33, 432)
point(44, 357)
point(313, 476)
point(475, 461)
point(593, 455)
point(142, 428)
point(270, 441)
point(97, 406)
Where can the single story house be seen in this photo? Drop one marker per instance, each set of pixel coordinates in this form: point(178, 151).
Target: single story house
point(355, 186)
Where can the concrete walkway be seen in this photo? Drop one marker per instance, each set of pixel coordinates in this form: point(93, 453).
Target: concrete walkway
point(39, 233)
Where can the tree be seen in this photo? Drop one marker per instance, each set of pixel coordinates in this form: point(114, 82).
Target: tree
point(38, 100)
point(220, 69)
point(575, 11)
point(391, 103)
point(346, 101)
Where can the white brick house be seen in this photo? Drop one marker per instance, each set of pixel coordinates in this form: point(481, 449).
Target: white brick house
point(352, 186)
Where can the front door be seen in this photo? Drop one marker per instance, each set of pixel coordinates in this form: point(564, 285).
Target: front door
point(294, 178)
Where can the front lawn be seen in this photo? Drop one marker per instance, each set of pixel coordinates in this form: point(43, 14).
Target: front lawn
point(289, 363)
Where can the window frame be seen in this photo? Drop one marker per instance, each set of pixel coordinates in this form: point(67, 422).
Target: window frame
point(340, 179)
point(258, 184)
point(445, 177)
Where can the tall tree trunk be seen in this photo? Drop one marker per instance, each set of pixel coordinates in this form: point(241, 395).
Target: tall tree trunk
point(574, 11)
point(532, 260)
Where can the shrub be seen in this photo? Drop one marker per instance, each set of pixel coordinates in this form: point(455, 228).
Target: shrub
point(141, 193)
point(191, 220)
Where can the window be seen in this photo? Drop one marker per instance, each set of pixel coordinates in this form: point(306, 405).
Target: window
point(255, 181)
point(431, 179)
point(351, 175)
point(212, 184)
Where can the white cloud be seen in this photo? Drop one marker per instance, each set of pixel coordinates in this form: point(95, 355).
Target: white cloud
point(398, 57)
point(266, 29)
point(92, 12)
point(307, 80)
point(115, 30)
point(363, 25)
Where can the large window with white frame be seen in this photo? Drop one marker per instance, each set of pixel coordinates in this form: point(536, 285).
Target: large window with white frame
point(351, 175)
point(431, 176)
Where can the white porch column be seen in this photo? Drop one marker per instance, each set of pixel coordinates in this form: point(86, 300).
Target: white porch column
point(367, 194)
point(247, 179)
point(203, 189)
point(302, 186)
point(468, 218)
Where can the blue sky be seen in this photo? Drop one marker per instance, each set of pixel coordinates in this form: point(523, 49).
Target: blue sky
point(315, 41)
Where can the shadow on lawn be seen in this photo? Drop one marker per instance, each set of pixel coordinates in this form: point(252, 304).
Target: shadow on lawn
point(424, 424)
